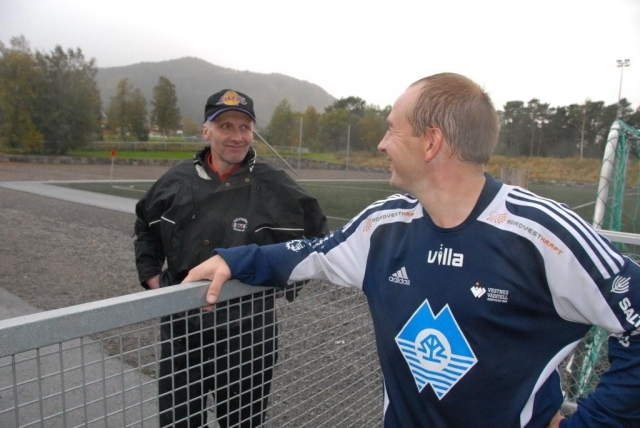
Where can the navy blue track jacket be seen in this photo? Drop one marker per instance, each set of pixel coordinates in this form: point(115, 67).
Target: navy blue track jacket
point(472, 322)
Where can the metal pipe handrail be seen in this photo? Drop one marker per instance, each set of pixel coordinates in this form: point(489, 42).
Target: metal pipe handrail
point(41, 329)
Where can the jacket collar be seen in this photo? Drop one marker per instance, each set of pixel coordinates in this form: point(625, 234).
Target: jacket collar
point(200, 162)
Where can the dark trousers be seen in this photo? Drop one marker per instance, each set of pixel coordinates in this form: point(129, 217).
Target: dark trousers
point(235, 364)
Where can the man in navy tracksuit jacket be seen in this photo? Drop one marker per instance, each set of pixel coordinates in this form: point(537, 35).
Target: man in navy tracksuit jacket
point(478, 290)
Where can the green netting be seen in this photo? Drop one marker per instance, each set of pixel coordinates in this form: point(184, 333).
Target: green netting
point(621, 214)
point(624, 182)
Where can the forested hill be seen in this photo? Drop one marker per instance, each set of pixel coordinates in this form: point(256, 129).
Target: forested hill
point(196, 79)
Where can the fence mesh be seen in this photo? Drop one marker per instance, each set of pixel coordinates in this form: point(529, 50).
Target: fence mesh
point(327, 372)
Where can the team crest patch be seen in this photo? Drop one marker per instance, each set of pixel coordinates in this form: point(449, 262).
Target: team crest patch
point(240, 224)
point(435, 349)
point(295, 246)
point(231, 98)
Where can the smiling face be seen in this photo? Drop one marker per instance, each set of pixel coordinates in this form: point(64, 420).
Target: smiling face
point(403, 149)
point(230, 136)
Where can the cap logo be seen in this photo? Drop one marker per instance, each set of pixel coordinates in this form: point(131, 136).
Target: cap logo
point(231, 98)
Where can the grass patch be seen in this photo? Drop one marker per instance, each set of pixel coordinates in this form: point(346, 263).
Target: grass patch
point(586, 171)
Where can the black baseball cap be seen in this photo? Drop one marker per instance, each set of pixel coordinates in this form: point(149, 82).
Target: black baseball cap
point(225, 100)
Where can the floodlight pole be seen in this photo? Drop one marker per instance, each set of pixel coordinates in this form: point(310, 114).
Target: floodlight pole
point(622, 64)
point(584, 122)
point(346, 168)
point(299, 143)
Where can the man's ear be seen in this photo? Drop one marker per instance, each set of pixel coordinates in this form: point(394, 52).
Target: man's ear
point(433, 141)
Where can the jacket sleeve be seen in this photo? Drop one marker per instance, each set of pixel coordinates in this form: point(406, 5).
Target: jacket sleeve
point(267, 265)
point(297, 199)
point(616, 400)
point(314, 220)
point(149, 251)
point(339, 257)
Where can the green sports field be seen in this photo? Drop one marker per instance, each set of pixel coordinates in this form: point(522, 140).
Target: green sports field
point(343, 199)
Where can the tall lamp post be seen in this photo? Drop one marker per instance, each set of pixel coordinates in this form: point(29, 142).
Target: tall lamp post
point(622, 64)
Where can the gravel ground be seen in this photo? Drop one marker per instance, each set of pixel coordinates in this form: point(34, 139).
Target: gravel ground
point(55, 253)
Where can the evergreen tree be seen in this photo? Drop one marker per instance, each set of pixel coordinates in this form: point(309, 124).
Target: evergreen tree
point(371, 129)
point(165, 113)
point(282, 128)
point(127, 112)
point(138, 115)
point(118, 112)
point(333, 129)
point(68, 103)
point(310, 126)
point(352, 104)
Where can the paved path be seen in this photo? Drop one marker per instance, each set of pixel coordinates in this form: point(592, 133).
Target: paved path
point(48, 189)
point(11, 305)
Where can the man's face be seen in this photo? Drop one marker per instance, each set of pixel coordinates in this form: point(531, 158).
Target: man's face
point(403, 150)
point(230, 136)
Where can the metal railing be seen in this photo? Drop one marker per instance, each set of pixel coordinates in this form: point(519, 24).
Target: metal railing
point(96, 364)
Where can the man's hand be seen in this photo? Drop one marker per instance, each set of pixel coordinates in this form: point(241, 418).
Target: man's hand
point(555, 422)
point(153, 282)
point(214, 269)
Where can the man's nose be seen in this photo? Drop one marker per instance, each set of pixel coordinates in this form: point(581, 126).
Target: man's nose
point(236, 134)
point(381, 145)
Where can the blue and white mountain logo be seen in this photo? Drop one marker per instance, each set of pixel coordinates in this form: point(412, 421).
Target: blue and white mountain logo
point(435, 349)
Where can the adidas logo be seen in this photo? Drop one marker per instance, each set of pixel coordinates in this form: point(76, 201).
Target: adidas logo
point(400, 277)
point(478, 291)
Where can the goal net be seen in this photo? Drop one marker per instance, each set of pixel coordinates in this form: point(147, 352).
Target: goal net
point(616, 216)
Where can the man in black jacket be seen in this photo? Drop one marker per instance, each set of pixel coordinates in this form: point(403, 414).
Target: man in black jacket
point(223, 198)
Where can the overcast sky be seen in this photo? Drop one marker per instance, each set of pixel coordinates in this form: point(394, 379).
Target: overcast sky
point(559, 51)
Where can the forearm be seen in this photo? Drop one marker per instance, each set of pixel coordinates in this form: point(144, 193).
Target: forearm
point(616, 400)
point(254, 265)
point(330, 258)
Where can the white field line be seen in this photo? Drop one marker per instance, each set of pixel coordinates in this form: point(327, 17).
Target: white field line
point(130, 189)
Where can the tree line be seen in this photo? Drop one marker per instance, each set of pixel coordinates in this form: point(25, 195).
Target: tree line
point(348, 120)
point(50, 103)
point(578, 130)
point(526, 129)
